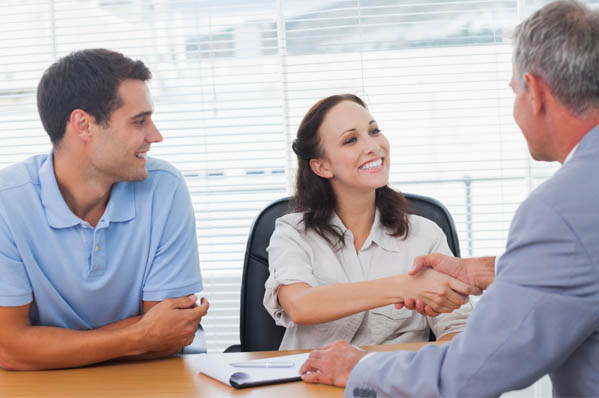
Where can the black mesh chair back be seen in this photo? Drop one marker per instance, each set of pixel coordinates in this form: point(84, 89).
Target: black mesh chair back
point(258, 331)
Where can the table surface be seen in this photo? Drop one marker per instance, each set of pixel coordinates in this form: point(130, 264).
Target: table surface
point(170, 377)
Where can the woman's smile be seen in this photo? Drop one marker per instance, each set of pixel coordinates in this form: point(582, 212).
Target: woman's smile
point(373, 166)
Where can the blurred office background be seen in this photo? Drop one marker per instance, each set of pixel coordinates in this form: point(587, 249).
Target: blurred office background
point(233, 78)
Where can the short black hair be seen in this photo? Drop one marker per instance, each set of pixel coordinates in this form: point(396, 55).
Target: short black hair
point(88, 80)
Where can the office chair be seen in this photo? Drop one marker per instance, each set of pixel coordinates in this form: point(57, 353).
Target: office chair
point(257, 329)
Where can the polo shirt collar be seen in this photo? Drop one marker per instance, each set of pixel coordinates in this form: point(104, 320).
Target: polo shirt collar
point(57, 212)
point(377, 235)
point(121, 205)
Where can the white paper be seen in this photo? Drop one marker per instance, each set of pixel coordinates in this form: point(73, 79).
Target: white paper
point(220, 368)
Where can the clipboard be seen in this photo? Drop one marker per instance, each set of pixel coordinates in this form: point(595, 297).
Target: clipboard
point(253, 373)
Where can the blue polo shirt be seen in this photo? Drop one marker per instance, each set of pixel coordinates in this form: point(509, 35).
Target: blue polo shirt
point(79, 277)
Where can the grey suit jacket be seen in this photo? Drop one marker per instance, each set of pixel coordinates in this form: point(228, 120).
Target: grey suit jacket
point(540, 315)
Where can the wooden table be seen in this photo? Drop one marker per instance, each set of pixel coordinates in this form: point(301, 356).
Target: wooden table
point(171, 377)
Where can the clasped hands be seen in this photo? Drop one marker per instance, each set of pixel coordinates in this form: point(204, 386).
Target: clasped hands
point(442, 291)
point(333, 363)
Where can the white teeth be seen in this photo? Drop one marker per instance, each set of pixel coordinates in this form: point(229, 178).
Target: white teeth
point(140, 155)
point(373, 165)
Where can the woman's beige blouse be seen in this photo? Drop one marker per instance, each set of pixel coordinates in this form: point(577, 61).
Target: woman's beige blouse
point(298, 256)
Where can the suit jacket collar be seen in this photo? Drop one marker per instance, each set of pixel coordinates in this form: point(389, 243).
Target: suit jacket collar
point(588, 145)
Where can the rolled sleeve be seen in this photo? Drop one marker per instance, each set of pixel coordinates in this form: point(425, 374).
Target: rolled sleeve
point(453, 322)
point(289, 262)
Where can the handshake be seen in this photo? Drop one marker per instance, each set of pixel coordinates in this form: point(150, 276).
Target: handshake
point(444, 293)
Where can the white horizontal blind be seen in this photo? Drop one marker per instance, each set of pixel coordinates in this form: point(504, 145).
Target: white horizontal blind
point(435, 75)
point(232, 80)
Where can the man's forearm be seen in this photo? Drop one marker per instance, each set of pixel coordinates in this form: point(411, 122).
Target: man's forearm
point(41, 347)
point(481, 271)
point(123, 323)
point(164, 329)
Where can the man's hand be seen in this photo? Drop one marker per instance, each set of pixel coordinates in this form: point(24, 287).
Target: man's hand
point(171, 324)
point(332, 364)
point(452, 266)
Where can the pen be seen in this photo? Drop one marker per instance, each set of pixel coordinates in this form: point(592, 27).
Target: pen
point(262, 364)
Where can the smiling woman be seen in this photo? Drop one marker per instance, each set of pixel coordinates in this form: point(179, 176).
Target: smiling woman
point(338, 263)
point(327, 168)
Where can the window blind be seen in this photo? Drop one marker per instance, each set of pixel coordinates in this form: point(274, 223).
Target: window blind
point(232, 80)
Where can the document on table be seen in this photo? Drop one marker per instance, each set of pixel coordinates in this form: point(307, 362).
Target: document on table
point(241, 374)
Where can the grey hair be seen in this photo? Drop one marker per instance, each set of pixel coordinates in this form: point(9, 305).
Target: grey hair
point(560, 43)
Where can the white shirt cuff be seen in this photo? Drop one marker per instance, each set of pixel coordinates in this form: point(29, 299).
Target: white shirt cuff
point(366, 356)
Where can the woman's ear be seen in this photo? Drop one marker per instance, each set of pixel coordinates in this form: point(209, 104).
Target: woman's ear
point(321, 167)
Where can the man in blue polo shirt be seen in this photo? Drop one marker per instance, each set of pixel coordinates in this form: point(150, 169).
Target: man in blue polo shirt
point(98, 253)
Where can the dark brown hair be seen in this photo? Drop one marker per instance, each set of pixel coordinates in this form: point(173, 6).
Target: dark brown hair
point(314, 195)
point(86, 79)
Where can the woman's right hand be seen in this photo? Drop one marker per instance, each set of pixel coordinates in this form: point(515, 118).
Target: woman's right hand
point(441, 292)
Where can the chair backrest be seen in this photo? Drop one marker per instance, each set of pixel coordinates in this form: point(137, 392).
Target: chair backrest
point(435, 211)
point(258, 331)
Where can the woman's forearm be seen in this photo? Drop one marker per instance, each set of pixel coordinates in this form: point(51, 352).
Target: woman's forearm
point(313, 305)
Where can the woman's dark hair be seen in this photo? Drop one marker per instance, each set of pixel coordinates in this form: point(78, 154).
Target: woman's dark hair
point(314, 195)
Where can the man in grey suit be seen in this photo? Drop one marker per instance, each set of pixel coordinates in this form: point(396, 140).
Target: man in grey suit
point(540, 314)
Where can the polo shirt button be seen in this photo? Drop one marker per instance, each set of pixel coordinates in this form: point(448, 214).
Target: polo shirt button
point(97, 248)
